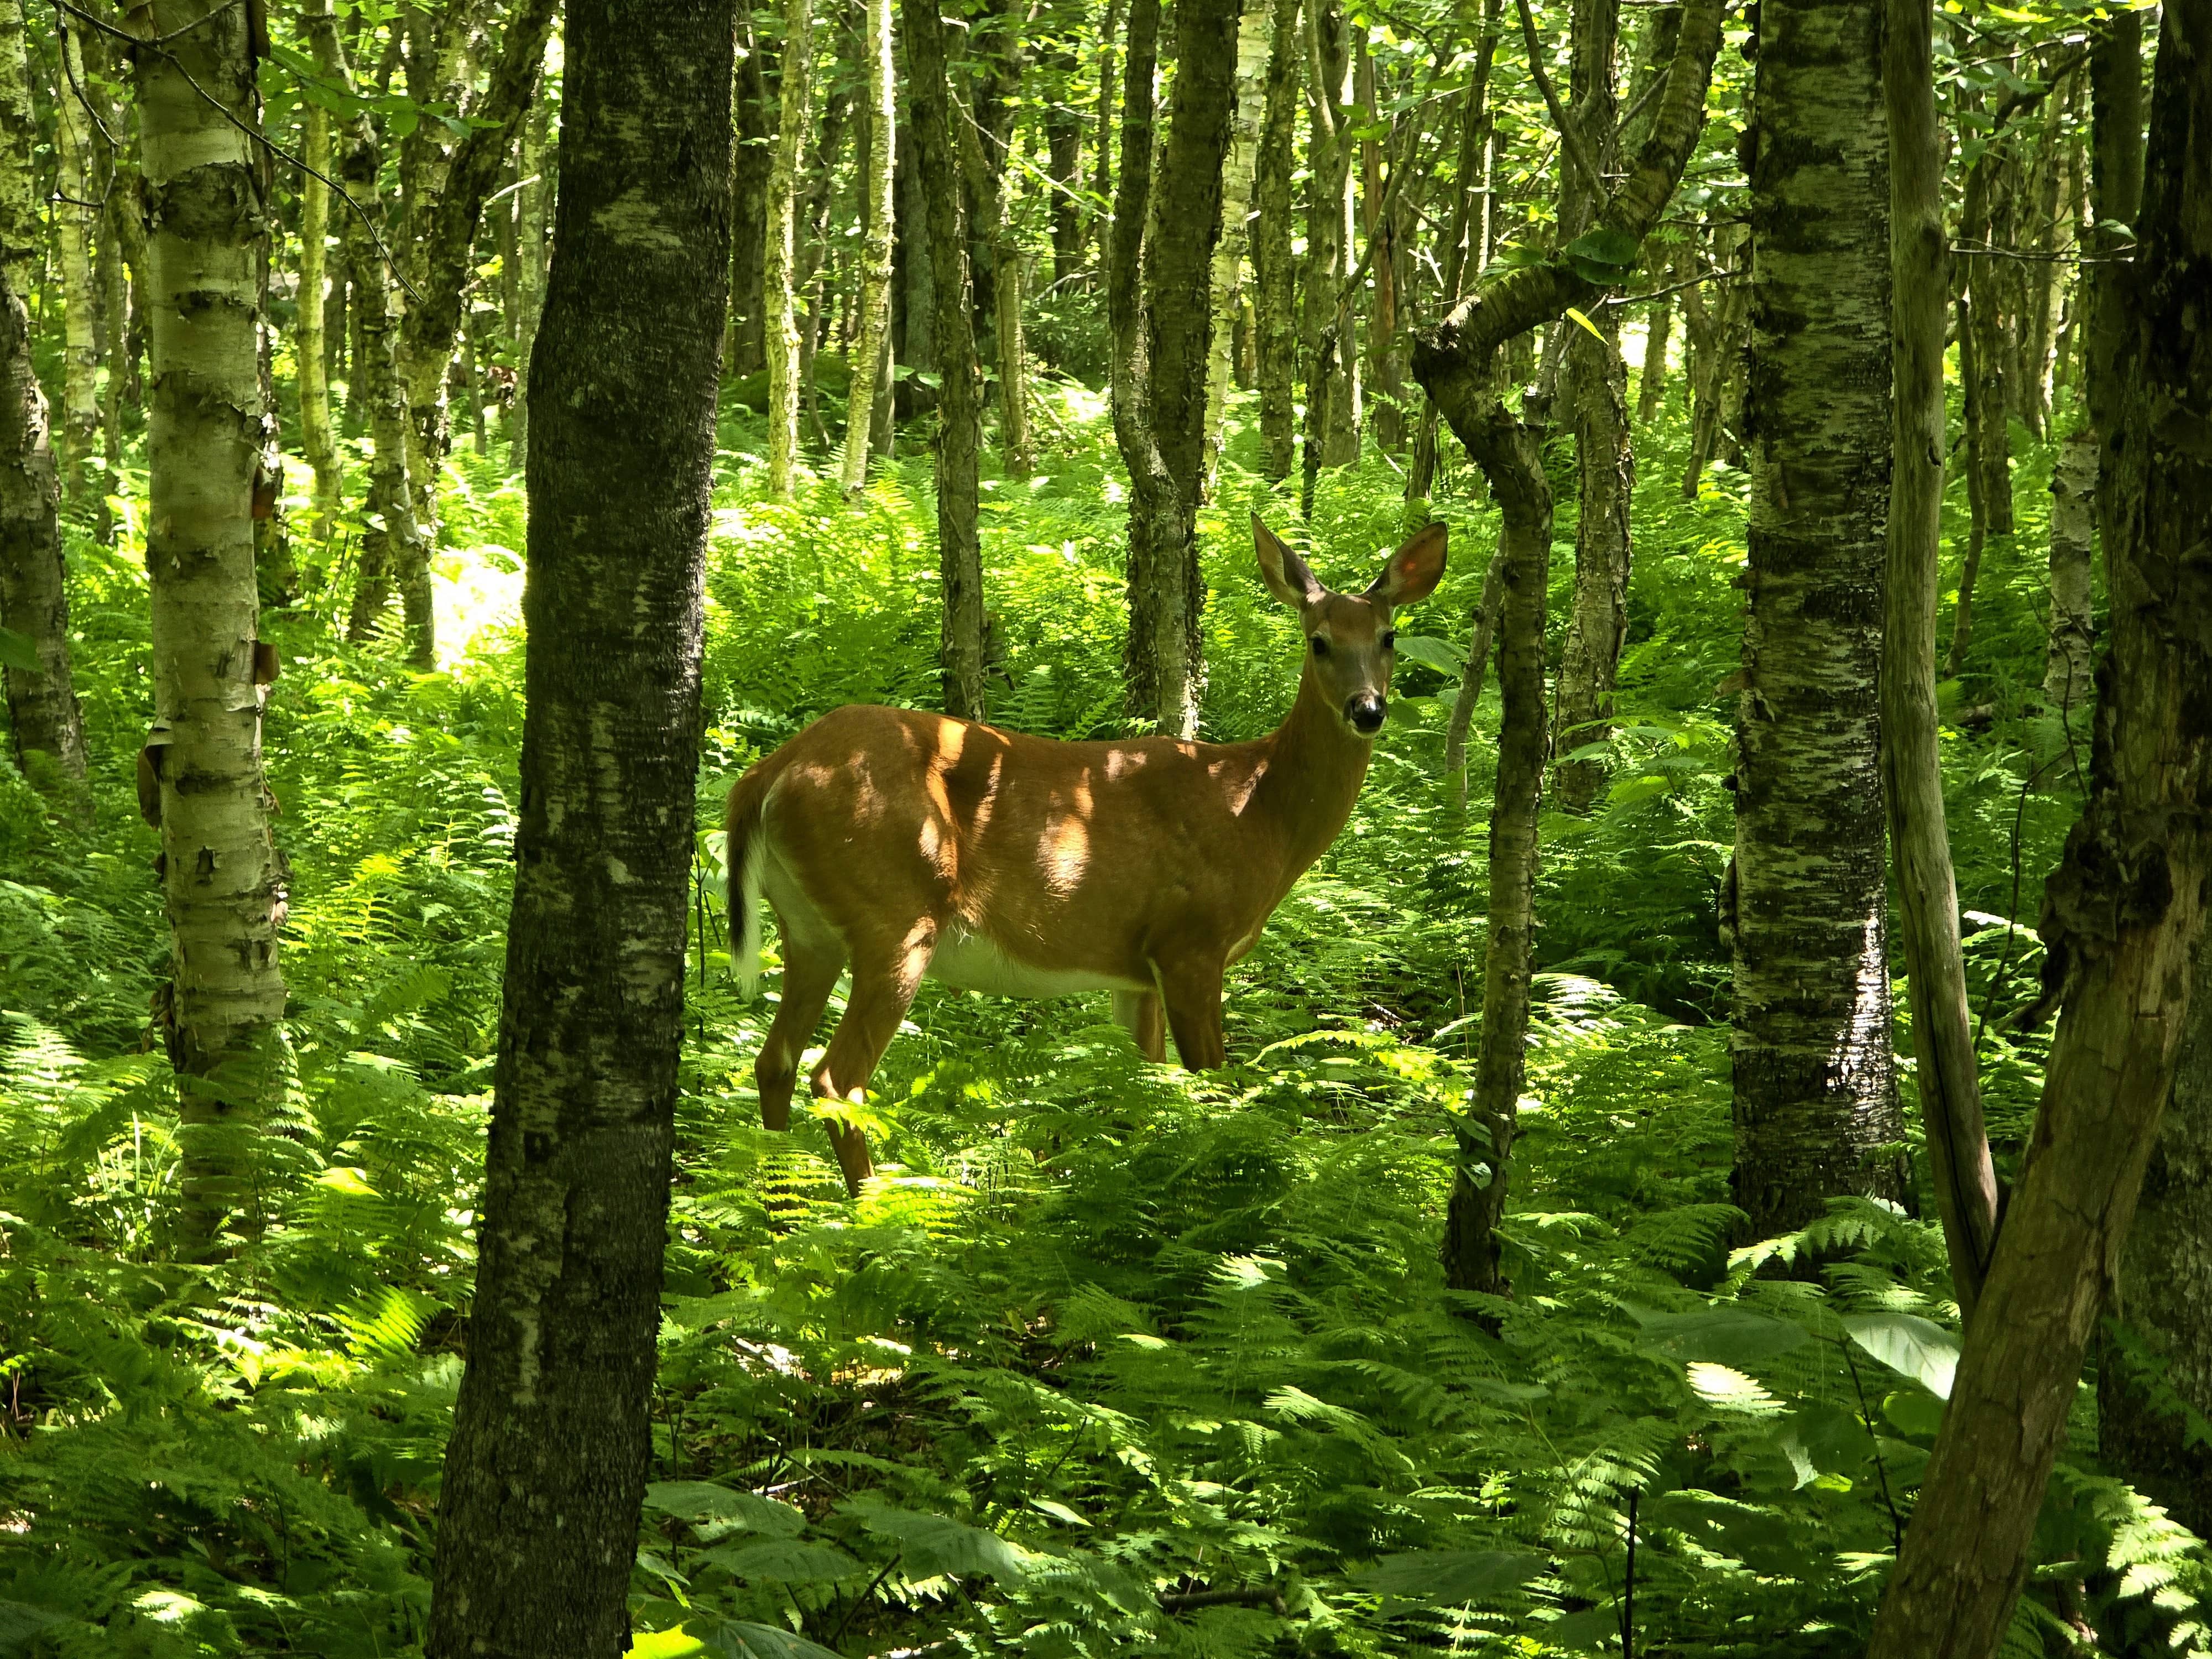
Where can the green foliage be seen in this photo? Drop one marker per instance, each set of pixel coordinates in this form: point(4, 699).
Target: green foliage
point(1112, 1359)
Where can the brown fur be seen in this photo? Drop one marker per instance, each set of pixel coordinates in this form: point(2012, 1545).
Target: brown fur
point(1144, 866)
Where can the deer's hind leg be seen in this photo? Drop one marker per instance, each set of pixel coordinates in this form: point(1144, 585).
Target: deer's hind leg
point(1138, 1013)
point(885, 981)
point(811, 967)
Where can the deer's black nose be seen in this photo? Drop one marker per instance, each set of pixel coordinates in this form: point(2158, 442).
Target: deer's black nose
point(1365, 711)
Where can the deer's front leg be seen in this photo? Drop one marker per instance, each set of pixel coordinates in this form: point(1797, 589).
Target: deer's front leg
point(1138, 1013)
point(1191, 990)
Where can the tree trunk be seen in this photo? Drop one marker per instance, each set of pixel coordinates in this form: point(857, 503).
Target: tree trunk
point(1651, 379)
point(2067, 669)
point(1510, 453)
point(444, 235)
point(914, 298)
point(316, 438)
point(1816, 1107)
point(2041, 285)
point(2122, 917)
point(1332, 225)
point(1238, 171)
point(545, 1472)
point(960, 392)
point(748, 202)
point(1274, 271)
point(986, 152)
point(1161, 341)
point(1063, 141)
point(1982, 351)
point(875, 300)
point(1457, 363)
point(533, 160)
point(224, 882)
point(1102, 141)
point(42, 710)
point(1480, 640)
point(1384, 390)
point(75, 212)
point(1927, 894)
point(780, 269)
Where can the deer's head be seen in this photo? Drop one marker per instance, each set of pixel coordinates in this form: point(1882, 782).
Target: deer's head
point(1349, 640)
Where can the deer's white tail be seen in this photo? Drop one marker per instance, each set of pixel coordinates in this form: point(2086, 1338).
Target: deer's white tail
point(746, 847)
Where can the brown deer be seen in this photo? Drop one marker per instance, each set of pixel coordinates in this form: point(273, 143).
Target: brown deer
point(906, 845)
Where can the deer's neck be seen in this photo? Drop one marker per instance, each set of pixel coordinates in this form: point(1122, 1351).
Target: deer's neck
point(1314, 766)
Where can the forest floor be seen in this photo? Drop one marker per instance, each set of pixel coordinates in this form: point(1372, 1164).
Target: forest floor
point(1113, 1360)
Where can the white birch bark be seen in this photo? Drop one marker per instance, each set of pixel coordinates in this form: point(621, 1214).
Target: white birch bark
point(868, 356)
point(73, 237)
point(224, 880)
point(780, 265)
point(1236, 175)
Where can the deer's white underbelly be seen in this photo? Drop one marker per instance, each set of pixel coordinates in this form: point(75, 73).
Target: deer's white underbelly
point(971, 962)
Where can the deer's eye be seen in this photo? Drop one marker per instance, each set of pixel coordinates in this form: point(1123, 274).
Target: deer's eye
point(1390, 639)
point(1320, 646)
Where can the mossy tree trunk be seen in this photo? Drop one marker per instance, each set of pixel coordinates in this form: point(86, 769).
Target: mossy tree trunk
point(2068, 664)
point(1159, 290)
point(45, 729)
point(1238, 170)
point(546, 1470)
point(1274, 271)
point(2122, 917)
point(870, 359)
point(952, 343)
point(316, 438)
point(76, 215)
point(223, 878)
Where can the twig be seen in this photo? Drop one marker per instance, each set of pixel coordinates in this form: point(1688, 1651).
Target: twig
point(260, 138)
point(1628, 1593)
point(70, 74)
point(1255, 1597)
point(1569, 136)
point(861, 1601)
point(1881, 1468)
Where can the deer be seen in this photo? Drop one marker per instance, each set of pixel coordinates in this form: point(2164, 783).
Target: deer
point(905, 845)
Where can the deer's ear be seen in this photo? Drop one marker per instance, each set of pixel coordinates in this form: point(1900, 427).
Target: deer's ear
point(1284, 571)
point(1414, 570)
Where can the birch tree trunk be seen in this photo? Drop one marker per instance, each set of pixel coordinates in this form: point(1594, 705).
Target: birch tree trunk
point(534, 201)
point(1381, 388)
point(47, 731)
point(869, 353)
point(546, 1470)
point(780, 269)
point(76, 214)
point(2123, 916)
point(223, 878)
point(1162, 334)
point(1274, 271)
point(1816, 1108)
point(756, 134)
point(1333, 383)
point(1926, 892)
point(2067, 669)
point(316, 438)
point(1238, 170)
point(960, 392)
point(1651, 379)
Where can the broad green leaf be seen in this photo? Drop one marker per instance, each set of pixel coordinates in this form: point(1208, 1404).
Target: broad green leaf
point(1592, 1627)
point(1450, 1577)
point(1724, 1336)
point(20, 1622)
point(785, 1561)
point(17, 652)
point(742, 1639)
point(1603, 246)
point(1914, 1412)
point(1919, 1348)
point(701, 1500)
point(1439, 654)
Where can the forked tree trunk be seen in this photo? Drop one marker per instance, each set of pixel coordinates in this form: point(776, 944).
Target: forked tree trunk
point(546, 1470)
point(47, 731)
point(779, 279)
point(1274, 271)
point(1457, 363)
point(1816, 1103)
point(869, 359)
point(1926, 889)
point(2123, 915)
point(2069, 664)
point(316, 438)
point(960, 392)
point(224, 884)
point(1237, 172)
point(1161, 336)
point(446, 231)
